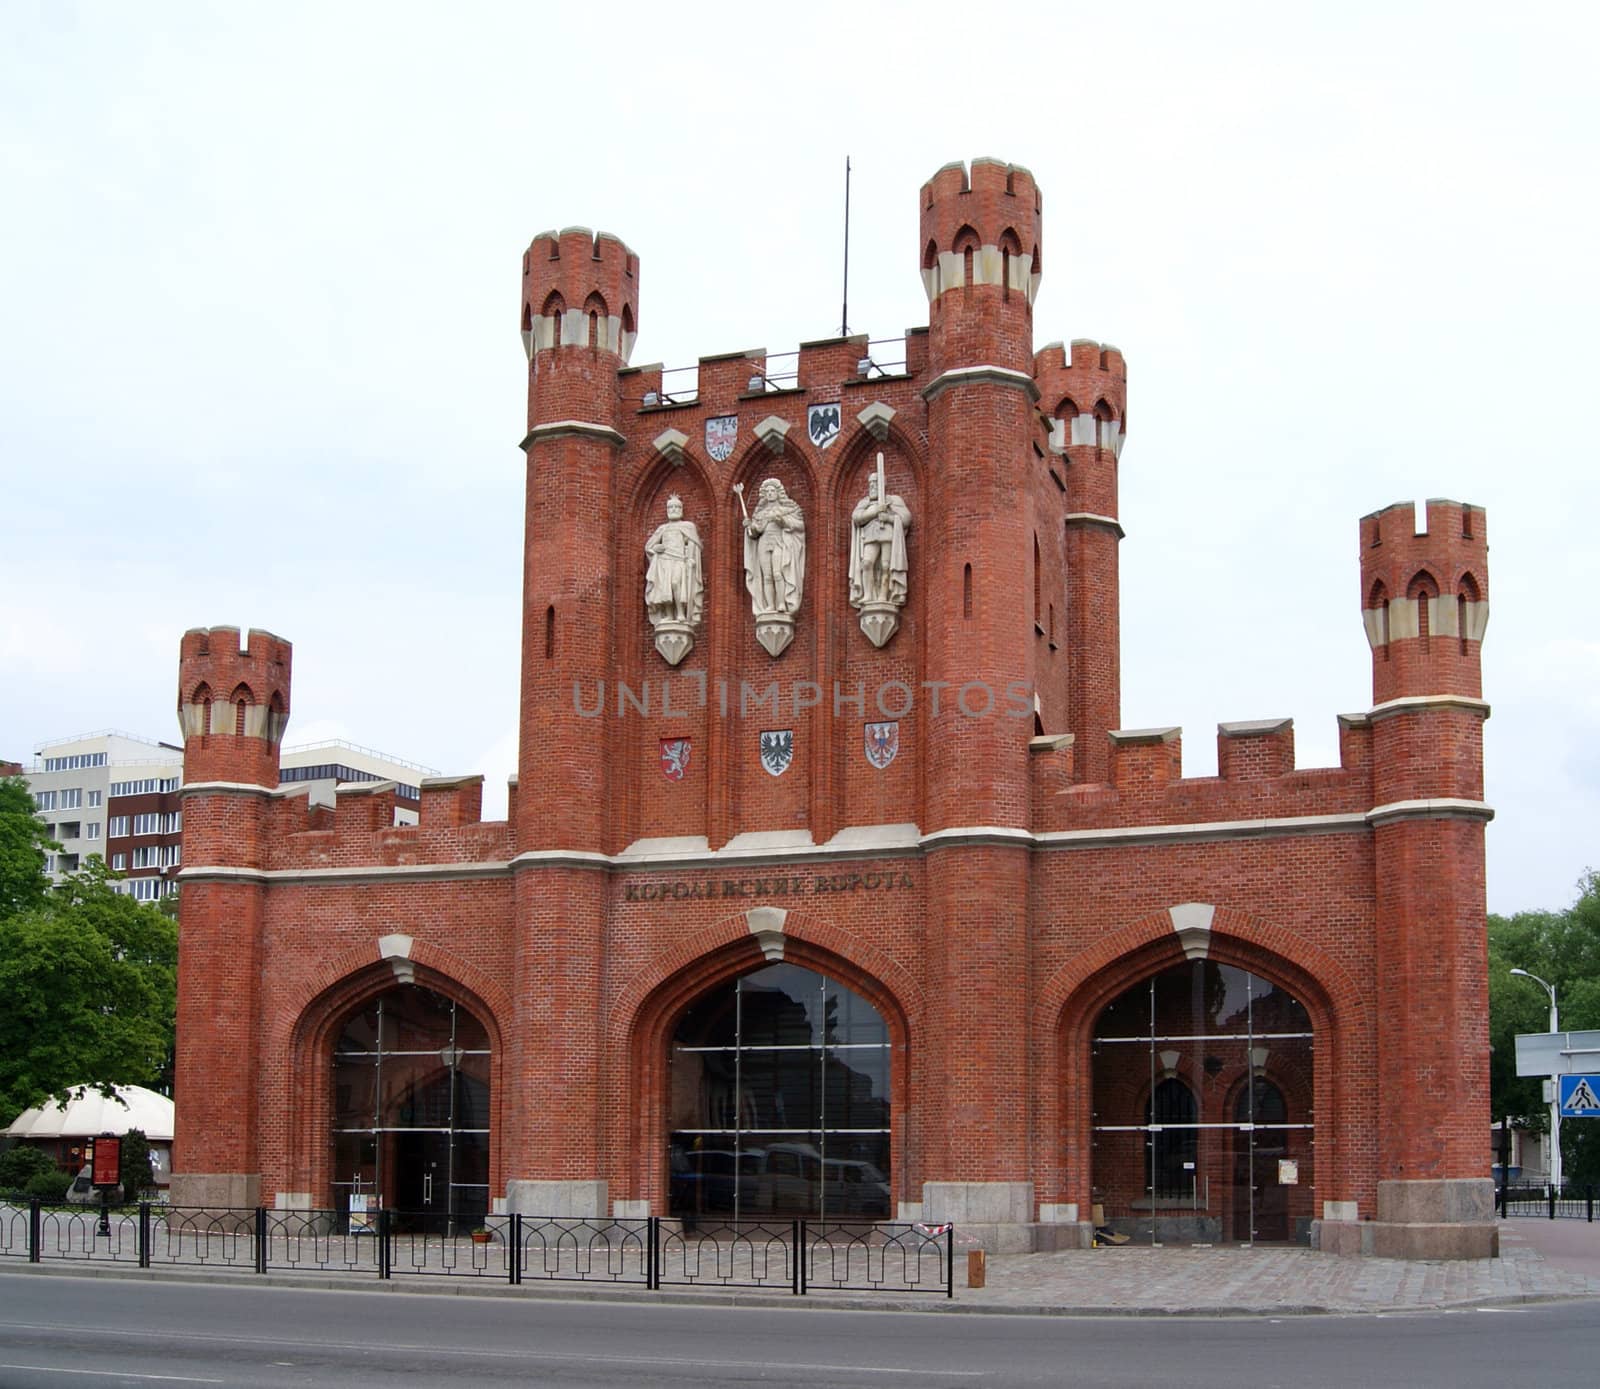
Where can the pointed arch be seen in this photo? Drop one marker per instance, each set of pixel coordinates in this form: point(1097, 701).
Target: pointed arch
point(641, 1022)
point(1071, 1000)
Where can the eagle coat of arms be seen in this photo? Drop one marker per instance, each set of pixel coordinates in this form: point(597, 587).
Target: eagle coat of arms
point(777, 751)
point(882, 741)
point(822, 424)
point(720, 436)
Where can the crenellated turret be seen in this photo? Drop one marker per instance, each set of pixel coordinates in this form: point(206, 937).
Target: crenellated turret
point(1425, 599)
point(579, 289)
point(1425, 606)
point(1084, 390)
point(233, 704)
point(233, 707)
point(980, 264)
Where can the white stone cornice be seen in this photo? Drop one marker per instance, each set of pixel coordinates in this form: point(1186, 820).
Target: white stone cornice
point(1206, 829)
point(561, 858)
point(1091, 518)
point(1439, 808)
point(860, 842)
point(558, 429)
point(984, 374)
point(964, 836)
point(1411, 704)
point(359, 873)
point(222, 874)
point(227, 788)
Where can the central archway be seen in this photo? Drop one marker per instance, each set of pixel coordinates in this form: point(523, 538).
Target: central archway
point(779, 1101)
point(1203, 1097)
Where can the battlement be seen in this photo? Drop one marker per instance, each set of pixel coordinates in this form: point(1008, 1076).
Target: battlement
point(1085, 388)
point(1425, 598)
point(228, 688)
point(981, 229)
point(580, 288)
point(1256, 780)
point(352, 826)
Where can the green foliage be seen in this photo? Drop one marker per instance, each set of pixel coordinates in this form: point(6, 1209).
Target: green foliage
point(137, 1174)
point(22, 1164)
point(89, 979)
point(23, 846)
point(1563, 948)
point(49, 1186)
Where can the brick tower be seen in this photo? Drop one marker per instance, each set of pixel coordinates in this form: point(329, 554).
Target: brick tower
point(980, 239)
point(1424, 598)
point(1084, 388)
point(579, 315)
point(233, 705)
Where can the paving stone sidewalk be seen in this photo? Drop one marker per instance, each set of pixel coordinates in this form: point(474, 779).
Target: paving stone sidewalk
point(1229, 1279)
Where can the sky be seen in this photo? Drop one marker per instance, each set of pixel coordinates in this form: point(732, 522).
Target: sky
point(259, 359)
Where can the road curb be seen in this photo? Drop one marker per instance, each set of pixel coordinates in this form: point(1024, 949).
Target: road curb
point(419, 1285)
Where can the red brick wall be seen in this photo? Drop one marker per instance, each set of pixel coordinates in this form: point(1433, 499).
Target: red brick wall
point(991, 955)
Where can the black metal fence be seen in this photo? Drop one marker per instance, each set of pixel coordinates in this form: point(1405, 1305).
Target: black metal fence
point(1569, 1203)
point(654, 1252)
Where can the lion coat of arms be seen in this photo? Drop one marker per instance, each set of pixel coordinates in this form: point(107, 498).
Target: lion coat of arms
point(674, 758)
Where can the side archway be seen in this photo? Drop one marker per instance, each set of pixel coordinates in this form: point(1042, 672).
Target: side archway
point(405, 1101)
point(1071, 1001)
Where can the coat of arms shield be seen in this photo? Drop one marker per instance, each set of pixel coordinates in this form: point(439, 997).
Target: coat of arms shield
point(720, 435)
point(674, 758)
point(882, 741)
point(822, 424)
point(777, 751)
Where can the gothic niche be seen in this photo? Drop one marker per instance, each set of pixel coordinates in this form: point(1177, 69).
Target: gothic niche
point(878, 567)
point(674, 583)
point(774, 562)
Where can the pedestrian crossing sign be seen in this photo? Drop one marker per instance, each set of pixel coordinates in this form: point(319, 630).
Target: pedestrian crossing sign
point(1580, 1097)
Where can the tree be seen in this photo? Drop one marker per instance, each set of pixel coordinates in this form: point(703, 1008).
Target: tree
point(24, 845)
point(22, 1164)
point(89, 979)
point(137, 1173)
point(1563, 948)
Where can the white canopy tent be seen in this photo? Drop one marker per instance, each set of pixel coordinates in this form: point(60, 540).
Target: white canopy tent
point(89, 1111)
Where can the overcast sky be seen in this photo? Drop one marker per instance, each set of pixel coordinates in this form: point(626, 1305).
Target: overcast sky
point(259, 276)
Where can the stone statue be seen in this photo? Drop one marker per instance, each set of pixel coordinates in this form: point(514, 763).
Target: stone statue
point(674, 583)
point(878, 568)
point(774, 562)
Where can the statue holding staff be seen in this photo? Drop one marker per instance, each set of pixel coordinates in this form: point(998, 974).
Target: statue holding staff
point(774, 562)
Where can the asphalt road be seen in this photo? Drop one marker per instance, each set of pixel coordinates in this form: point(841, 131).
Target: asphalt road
point(63, 1333)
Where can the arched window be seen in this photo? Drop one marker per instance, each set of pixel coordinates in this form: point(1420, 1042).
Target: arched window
point(411, 1110)
point(555, 309)
point(780, 1101)
point(965, 245)
point(595, 307)
point(241, 700)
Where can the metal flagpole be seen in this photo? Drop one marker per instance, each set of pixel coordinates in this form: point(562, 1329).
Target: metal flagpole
point(844, 313)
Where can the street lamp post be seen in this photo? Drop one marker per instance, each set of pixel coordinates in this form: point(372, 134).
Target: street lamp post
point(1555, 1085)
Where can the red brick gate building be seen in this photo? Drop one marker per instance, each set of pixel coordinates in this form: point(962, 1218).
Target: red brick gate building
point(830, 883)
